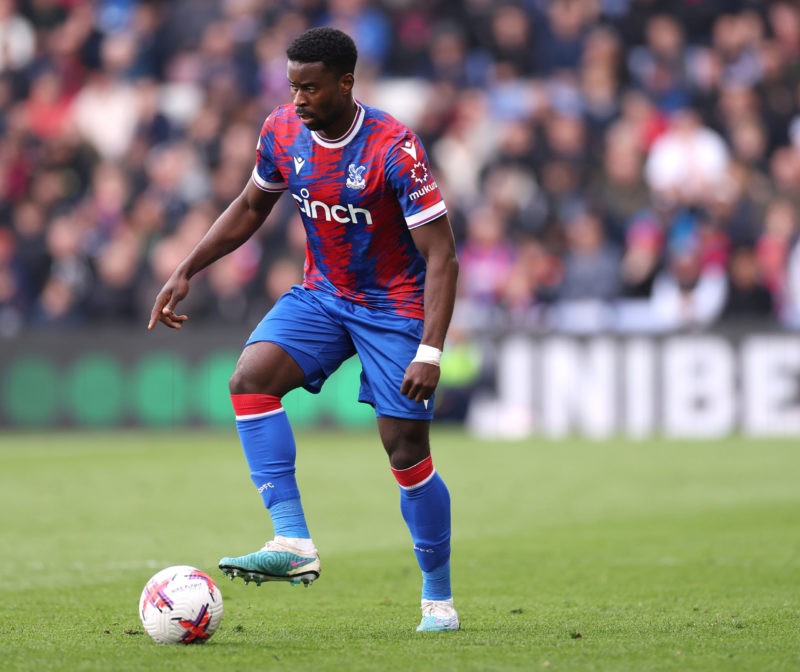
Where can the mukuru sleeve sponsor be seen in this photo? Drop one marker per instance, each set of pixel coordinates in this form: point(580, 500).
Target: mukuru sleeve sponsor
point(409, 174)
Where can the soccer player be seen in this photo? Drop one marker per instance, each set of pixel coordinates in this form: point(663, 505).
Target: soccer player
point(379, 281)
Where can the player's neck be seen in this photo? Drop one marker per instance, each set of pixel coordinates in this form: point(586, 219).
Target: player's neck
point(342, 125)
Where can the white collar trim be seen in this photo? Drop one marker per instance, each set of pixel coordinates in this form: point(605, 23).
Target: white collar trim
point(355, 127)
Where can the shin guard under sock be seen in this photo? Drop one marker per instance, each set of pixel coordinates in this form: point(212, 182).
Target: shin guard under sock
point(268, 443)
point(425, 505)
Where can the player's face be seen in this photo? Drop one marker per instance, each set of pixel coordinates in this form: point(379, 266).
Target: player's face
point(321, 99)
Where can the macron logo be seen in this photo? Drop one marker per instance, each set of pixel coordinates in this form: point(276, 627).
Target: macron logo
point(299, 162)
point(408, 148)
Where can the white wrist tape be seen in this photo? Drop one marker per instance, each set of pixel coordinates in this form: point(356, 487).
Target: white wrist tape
point(428, 354)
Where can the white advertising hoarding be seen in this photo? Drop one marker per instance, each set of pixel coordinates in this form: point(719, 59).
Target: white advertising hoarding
point(700, 386)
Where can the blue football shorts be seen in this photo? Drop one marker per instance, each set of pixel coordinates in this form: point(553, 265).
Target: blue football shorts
point(320, 331)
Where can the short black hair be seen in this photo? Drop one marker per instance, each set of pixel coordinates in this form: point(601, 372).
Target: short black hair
point(326, 45)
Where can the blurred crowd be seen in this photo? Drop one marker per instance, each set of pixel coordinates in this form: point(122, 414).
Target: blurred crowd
point(619, 166)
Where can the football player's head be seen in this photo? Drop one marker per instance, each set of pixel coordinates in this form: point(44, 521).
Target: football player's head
point(320, 71)
point(335, 49)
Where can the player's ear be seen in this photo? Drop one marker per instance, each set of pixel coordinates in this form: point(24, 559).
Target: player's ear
point(346, 83)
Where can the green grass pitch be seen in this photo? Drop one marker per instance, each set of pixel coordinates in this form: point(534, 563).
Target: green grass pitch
point(567, 555)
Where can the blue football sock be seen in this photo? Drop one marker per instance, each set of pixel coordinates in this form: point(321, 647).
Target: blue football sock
point(288, 519)
point(436, 583)
point(426, 509)
point(268, 443)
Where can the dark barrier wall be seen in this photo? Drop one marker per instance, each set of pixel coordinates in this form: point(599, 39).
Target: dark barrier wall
point(126, 378)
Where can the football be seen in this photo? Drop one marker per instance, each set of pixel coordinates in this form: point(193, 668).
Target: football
point(180, 605)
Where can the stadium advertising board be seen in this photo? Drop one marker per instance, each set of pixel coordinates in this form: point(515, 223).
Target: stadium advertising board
point(707, 385)
point(682, 386)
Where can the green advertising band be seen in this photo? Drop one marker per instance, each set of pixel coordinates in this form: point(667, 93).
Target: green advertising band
point(157, 390)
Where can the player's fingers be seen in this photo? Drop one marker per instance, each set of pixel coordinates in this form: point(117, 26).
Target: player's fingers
point(423, 394)
point(166, 310)
point(171, 319)
point(418, 392)
point(413, 389)
point(157, 312)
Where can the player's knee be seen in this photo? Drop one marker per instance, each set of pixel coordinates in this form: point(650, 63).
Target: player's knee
point(404, 454)
point(254, 379)
point(405, 460)
point(242, 383)
point(406, 442)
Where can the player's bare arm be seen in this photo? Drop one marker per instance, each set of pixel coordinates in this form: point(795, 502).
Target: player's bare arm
point(435, 242)
point(240, 220)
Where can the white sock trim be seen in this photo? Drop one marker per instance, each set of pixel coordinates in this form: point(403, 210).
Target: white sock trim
point(257, 416)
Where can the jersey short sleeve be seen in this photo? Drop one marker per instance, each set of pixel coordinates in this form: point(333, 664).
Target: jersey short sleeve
point(266, 174)
point(409, 175)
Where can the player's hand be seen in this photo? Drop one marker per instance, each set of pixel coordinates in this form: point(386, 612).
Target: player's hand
point(164, 307)
point(420, 381)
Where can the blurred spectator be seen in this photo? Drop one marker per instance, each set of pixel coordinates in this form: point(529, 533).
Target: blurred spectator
point(775, 91)
point(749, 141)
point(748, 299)
point(450, 59)
point(112, 298)
point(486, 257)
point(617, 186)
point(640, 119)
point(106, 108)
point(590, 282)
point(659, 67)
point(773, 248)
point(531, 285)
point(784, 172)
point(687, 294)
point(735, 104)
point(603, 48)
point(687, 162)
point(511, 39)
point(279, 278)
point(515, 195)
point(738, 207)
point(230, 285)
point(186, 19)
point(641, 263)
point(735, 38)
point(176, 176)
point(599, 99)
point(48, 107)
point(31, 258)
point(464, 146)
point(784, 21)
point(17, 38)
point(560, 39)
point(62, 299)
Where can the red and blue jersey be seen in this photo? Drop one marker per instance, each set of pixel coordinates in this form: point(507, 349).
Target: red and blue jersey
point(359, 196)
